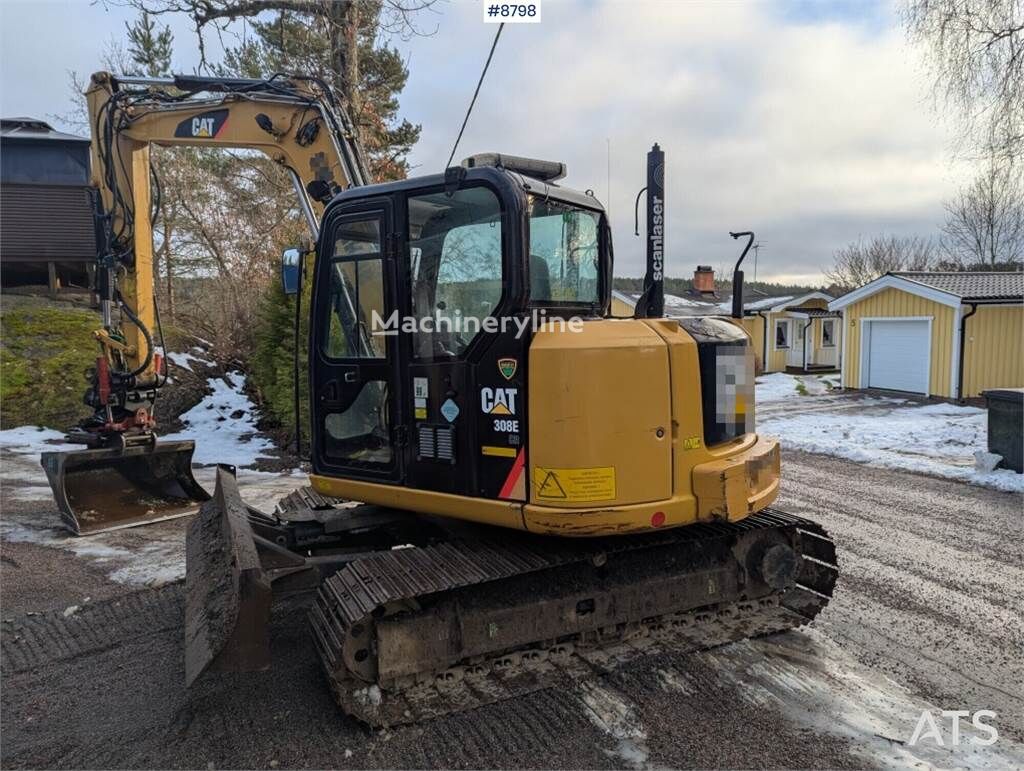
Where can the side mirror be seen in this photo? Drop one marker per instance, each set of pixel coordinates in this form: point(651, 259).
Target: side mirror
point(291, 271)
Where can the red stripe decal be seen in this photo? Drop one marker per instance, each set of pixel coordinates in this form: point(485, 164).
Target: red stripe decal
point(513, 476)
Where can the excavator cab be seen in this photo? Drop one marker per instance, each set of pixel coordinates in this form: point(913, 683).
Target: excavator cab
point(426, 292)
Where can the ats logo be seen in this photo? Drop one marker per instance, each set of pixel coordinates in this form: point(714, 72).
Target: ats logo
point(208, 125)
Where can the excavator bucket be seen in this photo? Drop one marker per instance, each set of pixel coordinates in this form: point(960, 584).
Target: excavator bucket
point(227, 593)
point(109, 489)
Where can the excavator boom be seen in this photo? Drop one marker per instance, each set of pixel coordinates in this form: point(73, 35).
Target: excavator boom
point(127, 477)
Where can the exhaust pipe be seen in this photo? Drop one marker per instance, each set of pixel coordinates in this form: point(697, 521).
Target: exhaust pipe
point(737, 275)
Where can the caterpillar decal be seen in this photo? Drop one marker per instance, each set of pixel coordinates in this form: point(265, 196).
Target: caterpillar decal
point(207, 125)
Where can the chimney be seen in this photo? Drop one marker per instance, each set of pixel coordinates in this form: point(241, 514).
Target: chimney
point(704, 279)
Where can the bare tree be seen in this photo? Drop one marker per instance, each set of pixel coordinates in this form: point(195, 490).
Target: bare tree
point(863, 260)
point(976, 52)
point(985, 224)
point(344, 42)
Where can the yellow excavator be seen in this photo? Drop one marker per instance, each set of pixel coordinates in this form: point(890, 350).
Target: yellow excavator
point(507, 482)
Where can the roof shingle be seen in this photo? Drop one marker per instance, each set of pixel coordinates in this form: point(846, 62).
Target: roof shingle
point(971, 285)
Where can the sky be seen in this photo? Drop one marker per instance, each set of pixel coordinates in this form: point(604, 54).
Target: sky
point(808, 122)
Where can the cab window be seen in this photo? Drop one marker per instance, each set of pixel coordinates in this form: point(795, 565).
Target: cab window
point(564, 252)
point(455, 259)
point(356, 292)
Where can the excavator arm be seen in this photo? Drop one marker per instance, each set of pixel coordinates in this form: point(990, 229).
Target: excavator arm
point(293, 120)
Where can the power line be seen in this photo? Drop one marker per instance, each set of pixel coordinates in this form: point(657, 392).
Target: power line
point(473, 101)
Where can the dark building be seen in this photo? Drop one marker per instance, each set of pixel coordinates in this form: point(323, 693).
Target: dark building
point(46, 225)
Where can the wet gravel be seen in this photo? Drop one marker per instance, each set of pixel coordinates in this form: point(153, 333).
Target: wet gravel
point(926, 614)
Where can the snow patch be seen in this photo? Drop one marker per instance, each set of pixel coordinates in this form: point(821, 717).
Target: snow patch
point(756, 305)
point(32, 440)
point(778, 386)
point(185, 359)
point(807, 677)
point(151, 555)
point(28, 492)
point(615, 717)
point(812, 680)
point(223, 425)
point(935, 439)
point(675, 301)
point(160, 561)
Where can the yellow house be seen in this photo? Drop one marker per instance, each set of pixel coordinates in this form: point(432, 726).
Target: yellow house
point(794, 333)
point(950, 335)
point(622, 304)
point(786, 332)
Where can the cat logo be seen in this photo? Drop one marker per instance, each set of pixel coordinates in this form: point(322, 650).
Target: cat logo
point(202, 127)
point(498, 401)
point(208, 125)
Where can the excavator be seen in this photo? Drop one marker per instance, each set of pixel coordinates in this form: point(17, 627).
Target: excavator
point(508, 483)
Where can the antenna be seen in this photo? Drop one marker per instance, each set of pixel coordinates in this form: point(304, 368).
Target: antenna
point(608, 187)
point(756, 248)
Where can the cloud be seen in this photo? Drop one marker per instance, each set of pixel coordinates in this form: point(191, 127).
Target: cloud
point(807, 129)
point(806, 122)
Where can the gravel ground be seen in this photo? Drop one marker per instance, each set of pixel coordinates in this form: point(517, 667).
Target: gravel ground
point(927, 614)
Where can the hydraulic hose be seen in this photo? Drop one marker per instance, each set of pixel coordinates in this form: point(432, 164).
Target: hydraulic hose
point(145, 333)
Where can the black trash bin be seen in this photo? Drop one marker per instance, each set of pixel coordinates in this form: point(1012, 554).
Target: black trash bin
point(1006, 425)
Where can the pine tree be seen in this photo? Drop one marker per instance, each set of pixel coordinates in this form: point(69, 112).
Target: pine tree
point(150, 48)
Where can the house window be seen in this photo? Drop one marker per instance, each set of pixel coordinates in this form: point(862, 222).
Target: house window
point(782, 334)
point(828, 328)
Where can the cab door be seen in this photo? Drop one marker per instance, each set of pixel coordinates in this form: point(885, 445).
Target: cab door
point(357, 425)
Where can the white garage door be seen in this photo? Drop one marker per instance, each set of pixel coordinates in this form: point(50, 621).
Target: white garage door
point(897, 355)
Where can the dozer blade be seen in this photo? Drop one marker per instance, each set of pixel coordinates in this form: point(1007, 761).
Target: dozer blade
point(227, 592)
point(109, 489)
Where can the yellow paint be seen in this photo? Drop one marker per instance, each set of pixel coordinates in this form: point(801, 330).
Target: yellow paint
point(585, 485)
point(731, 487)
point(599, 398)
point(993, 349)
point(597, 431)
point(737, 486)
point(754, 327)
point(814, 302)
point(777, 357)
point(895, 303)
point(498, 452)
point(421, 413)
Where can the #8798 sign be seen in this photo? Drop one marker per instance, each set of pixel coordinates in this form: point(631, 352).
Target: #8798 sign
point(511, 13)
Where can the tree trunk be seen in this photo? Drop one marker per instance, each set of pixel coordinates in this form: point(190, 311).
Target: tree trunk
point(169, 264)
point(344, 21)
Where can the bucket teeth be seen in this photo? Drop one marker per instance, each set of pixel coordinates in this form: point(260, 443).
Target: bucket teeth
point(110, 489)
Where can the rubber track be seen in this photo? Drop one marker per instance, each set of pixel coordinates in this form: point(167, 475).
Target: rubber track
point(33, 640)
point(358, 592)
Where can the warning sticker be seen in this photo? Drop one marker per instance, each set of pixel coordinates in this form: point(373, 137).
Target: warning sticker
point(574, 484)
